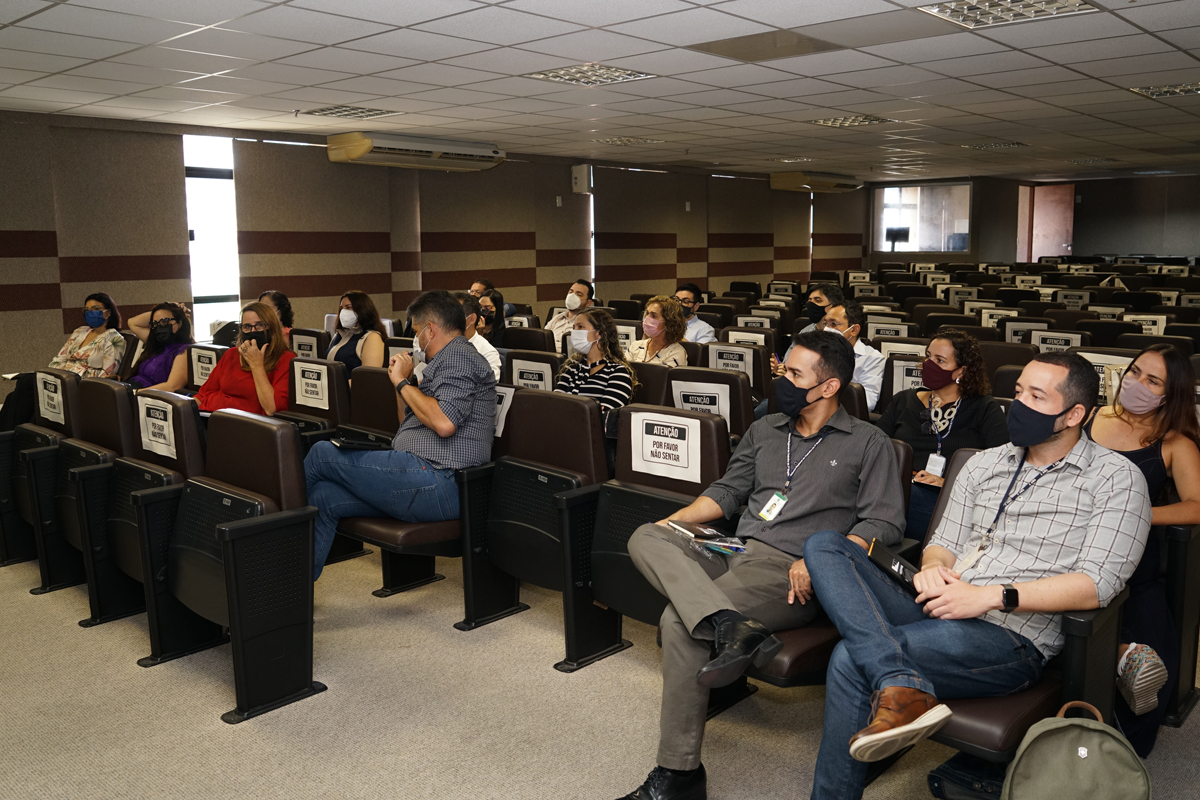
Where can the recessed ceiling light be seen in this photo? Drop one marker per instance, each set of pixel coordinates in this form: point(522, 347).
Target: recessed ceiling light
point(983, 13)
point(1155, 172)
point(589, 75)
point(995, 145)
point(1091, 161)
point(351, 112)
point(626, 141)
point(789, 160)
point(1178, 90)
point(848, 122)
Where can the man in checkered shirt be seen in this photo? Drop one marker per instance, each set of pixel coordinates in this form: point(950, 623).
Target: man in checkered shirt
point(1048, 524)
point(446, 424)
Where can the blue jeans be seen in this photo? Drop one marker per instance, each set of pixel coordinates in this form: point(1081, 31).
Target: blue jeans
point(373, 483)
point(888, 641)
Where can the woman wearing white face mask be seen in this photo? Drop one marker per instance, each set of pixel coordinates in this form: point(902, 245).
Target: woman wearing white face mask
point(663, 328)
point(358, 338)
point(598, 368)
point(1153, 424)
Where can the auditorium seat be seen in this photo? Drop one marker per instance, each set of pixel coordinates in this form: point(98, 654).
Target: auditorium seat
point(32, 453)
point(1191, 331)
point(398, 344)
point(523, 321)
point(132, 345)
point(1004, 382)
point(318, 400)
point(201, 361)
point(310, 342)
point(752, 359)
point(529, 339)
point(764, 337)
point(640, 299)
point(1068, 320)
point(935, 322)
point(722, 310)
point(522, 308)
point(1038, 308)
point(997, 354)
point(157, 437)
point(1020, 327)
point(694, 350)
point(753, 287)
point(979, 332)
point(652, 383)
point(1140, 341)
point(738, 304)
point(373, 409)
point(1105, 332)
point(532, 369)
point(1141, 302)
point(784, 317)
point(626, 309)
point(716, 391)
point(902, 292)
point(240, 555)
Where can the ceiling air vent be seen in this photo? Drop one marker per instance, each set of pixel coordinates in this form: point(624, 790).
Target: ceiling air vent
point(413, 152)
point(814, 182)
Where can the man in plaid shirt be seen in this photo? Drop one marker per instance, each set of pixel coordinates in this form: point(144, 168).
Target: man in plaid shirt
point(1050, 523)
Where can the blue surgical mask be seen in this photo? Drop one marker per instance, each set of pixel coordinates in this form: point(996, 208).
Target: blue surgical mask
point(94, 317)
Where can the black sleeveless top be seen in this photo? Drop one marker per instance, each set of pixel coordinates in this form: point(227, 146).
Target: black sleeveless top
point(1148, 459)
point(348, 352)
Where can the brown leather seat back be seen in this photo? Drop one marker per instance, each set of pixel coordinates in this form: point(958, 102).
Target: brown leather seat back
point(560, 430)
point(57, 401)
point(899, 372)
point(652, 383)
point(998, 354)
point(184, 420)
point(132, 343)
point(201, 361)
point(310, 342)
point(314, 383)
point(853, 398)
point(671, 449)
point(107, 416)
point(373, 400)
point(904, 463)
point(529, 339)
point(258, 454)
point(719, 391)
point(531, 369)
point(957, 461)
point(726, 355)
point(764, 337)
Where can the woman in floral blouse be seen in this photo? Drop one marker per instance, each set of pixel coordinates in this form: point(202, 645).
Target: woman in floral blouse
point(94, 350)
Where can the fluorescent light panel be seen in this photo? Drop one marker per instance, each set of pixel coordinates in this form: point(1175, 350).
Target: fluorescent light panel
point(1178, 90)
point(350, 112)
point(627, 141)
point(589, 75)
point(849, 121)
point(1092, 161)
point(1004, 12)
point(995, 145)
point(790, 160)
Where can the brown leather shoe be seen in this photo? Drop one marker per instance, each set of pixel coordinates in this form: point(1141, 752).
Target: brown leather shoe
point(900, 717)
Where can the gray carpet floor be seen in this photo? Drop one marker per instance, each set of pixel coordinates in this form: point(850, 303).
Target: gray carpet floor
point(415, 709)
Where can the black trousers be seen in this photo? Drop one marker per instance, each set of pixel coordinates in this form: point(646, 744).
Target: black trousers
point(20, 404)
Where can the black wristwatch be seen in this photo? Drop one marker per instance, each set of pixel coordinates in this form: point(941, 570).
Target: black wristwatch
point(400, 386)
point(1010, 598)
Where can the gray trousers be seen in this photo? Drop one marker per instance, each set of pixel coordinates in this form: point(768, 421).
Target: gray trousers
point(754, 583)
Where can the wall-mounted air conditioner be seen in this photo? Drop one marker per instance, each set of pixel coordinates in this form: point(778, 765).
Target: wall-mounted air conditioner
point(814, 182)
point(412, 152)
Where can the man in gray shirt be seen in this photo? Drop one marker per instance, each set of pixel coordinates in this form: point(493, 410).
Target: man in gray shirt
point(1050, 523)
point(810, 468)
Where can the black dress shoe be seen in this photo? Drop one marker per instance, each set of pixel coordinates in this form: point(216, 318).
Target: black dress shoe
point(740, 641)
point(665, 784)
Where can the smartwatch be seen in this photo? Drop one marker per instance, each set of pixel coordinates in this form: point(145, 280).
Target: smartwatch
point(1010, 598)
point(400, 386)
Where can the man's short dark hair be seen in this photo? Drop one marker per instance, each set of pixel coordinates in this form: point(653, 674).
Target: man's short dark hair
point(690, 287)
point(855, 315)
point(835, 352)
point(484, 282)
point(588, 284)
point(470, 304)
point(1082, 384)
point(832, 292)
point(440, 307)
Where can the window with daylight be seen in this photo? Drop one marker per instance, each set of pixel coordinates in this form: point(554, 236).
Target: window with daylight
point(933, 218)
point(212, 229)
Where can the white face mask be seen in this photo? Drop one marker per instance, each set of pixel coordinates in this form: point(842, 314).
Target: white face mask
point(579, 340)
point(348, 318)
point(418, 352)
point(573, 301)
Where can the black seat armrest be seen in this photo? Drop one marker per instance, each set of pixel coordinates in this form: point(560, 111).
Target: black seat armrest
point(38, 453)
point(1089, 656)
point(577, 497)
point(233, 531)
point(156, 510)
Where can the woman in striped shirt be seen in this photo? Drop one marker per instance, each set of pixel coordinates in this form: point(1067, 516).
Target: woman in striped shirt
point(597, 368)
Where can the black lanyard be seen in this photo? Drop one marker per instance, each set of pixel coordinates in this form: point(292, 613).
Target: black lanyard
point(790, 470)
point(1005, 502)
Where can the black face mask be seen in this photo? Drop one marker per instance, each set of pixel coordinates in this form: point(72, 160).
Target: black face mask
point(163, 334)
point(261, 338)
point(1027, 427)
point(792, 400)
point(815, 312)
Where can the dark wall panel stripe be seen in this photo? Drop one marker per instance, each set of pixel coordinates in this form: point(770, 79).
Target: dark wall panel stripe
point(635, 241)
point(406, 261)
point(83, 269)
point(28, 244)
point(790, 253)
point(463, 242)
point(564, 258)
point(792, 276)
point(461, 280)
point(741, 240)
point(32, 296)
point(835, 264)
point(551, 292)
point(400, 301)
point(836, 239)
point(271, 242)
point(634, 272)
point(691, 255)
point(719, 269)
point(318, 285)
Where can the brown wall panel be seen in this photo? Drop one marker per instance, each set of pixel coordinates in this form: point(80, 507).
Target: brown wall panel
point(406, 262)
point(791, 253)
point(836, 239)
point(264, 242)
point(835, 264)
point(624, 240)
point(327, 286)
point(30, 297)
point(461, 280)
point(564, 258)
point(691, 255)
point(635, 272)
point(719, 269)
point(28, 244)
point(741, 240)
point(83, 269)
point(482, 241)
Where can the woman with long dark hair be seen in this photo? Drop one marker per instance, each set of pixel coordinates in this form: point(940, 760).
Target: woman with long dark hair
point(358, 338)
point(253, 376)
point(282, 306)
point(491, 319)
point(95, 349)
point(1153, 424)
point(166, 332)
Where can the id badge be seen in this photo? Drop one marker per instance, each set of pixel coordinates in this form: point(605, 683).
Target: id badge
point(970, 559)
point(771, 510)
point(936, 465)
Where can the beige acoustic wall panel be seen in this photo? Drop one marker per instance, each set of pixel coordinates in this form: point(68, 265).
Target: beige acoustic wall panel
point(793, 235)
point(311, 228)
point(405, 209)
point(121, 219)
point(841, 230)
point(560, 217)
point(741, 232)
point(651, 232)
point(31, 319)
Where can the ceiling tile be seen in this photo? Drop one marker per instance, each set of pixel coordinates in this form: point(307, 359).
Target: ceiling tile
point(1077, 86)
point(13, 10)
point(935, 48)
point(18, 38)
point(877, 29)
point(525, 105)
point(193, 95)
point(740, 75)
point(928, 88)
point(9, 77)
point(828, 63)
point(1184, 37)
point(42, 62)
point(414, 44)
point(330, 96)
point(20, 104)
point(52, 95)
point(967, 66)
point(1025, 77)
point(225, 83)
point(887, 76)
point(584, 96)
point(1077, 28)
point(1101, 49)
point(499, 26)
point(798, 87)
point(1163, 16)
point(510, 61)
point(593, 14)
point(674, 61)
point(289, 73)
point(660, 87)
point(458, 96)
point(106, 25)
point(691, 27)
point(371, 84)
point(406, 104)
point(390, 12)
point(181, 60)
point(304, 25)
point(593, 45)
point(1138, 64)
point(82, 84)
point(341, 60)
point(241, 45)
point(147, 103)
point(208, 12)
point(439, 74)
point(790, 14)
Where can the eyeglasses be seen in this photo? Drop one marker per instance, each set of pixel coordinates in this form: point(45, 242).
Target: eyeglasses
point(165, 322)
point(258, 326)
point(684, 302)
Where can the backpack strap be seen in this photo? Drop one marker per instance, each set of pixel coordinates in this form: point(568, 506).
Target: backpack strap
point(1062, 712)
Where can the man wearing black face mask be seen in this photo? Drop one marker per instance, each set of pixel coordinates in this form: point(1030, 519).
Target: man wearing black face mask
point(810, 468)
point(821, 296)
point(1050, 523)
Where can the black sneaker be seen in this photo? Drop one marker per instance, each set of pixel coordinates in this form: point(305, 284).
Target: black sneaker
point(665, 784)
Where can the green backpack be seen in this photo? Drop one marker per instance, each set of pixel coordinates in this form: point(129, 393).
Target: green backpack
point(1064, 758)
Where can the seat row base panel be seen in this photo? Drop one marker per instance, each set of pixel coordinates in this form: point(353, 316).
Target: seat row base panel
point(571, 666)
point(404, 572)
point(112, 594)
point(722, 699)
point(1183, 598)
point(236, 715)
point(60, 564)
point(344, 548)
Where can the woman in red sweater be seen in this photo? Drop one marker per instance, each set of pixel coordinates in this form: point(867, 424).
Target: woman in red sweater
point(254, 375)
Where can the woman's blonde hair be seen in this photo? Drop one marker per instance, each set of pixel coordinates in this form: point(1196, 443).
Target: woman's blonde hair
point(674, 320)
point(608, 341)
point(276, 347)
